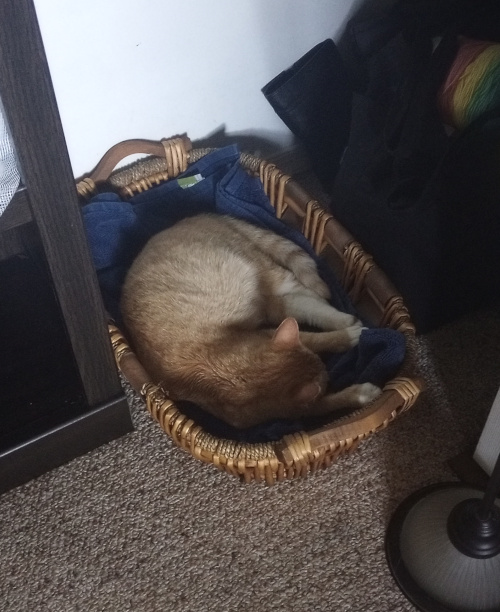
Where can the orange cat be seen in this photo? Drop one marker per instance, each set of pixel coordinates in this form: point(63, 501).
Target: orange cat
point(211, 307)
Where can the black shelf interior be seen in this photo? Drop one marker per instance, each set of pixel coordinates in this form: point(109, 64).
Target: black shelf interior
point(39, 383)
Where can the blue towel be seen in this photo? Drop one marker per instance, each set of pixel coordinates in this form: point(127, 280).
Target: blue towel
point(117, 230)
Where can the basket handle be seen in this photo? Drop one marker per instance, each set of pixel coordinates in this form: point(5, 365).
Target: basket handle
point(135, 146)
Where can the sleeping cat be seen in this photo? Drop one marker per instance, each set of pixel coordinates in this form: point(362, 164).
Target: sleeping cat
point(211, 307)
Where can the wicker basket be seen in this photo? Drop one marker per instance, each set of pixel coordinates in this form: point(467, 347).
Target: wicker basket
point(369, 289)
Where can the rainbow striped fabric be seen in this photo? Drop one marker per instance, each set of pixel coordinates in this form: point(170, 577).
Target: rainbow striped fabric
point(472, 86)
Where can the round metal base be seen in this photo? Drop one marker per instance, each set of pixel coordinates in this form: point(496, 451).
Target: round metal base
point(428, 568)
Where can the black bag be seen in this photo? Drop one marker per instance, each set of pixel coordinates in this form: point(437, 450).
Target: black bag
point(313, 99)
point(425, 204)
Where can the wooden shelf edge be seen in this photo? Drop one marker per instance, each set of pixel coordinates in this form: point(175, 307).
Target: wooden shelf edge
point(59, 445)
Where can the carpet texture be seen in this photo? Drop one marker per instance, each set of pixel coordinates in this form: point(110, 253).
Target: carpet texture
point(139, 525)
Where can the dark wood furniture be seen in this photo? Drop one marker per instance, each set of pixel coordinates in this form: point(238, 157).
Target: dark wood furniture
point(47, 205)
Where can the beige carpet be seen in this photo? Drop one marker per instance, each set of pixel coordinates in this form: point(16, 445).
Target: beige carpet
point(138, 525)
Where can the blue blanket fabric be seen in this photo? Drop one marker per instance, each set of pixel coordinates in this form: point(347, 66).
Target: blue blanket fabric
point(117, 230)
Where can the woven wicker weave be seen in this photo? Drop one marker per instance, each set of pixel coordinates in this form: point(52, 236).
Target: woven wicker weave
point(367, 286)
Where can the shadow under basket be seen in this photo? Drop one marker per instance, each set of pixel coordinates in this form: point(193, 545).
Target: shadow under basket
point(371, 293)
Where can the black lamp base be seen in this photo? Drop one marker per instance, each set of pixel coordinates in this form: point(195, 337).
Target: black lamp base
point(430, 570)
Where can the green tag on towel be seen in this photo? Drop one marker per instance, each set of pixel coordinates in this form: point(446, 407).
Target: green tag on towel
point(189, 181)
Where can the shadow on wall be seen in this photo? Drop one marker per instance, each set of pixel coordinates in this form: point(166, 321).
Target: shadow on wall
point(291, 159)
point(261, 143)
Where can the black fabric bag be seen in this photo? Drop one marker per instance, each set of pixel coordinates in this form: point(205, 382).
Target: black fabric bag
point(313, 99)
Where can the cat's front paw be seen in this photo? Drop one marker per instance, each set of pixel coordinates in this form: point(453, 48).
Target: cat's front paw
point(367, 393)
point(353, 333)
point(342, 320)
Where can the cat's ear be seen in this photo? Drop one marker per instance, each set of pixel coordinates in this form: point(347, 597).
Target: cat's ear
point(287, 334)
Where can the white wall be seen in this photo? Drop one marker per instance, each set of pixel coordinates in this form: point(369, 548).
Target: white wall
point(153, 68)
